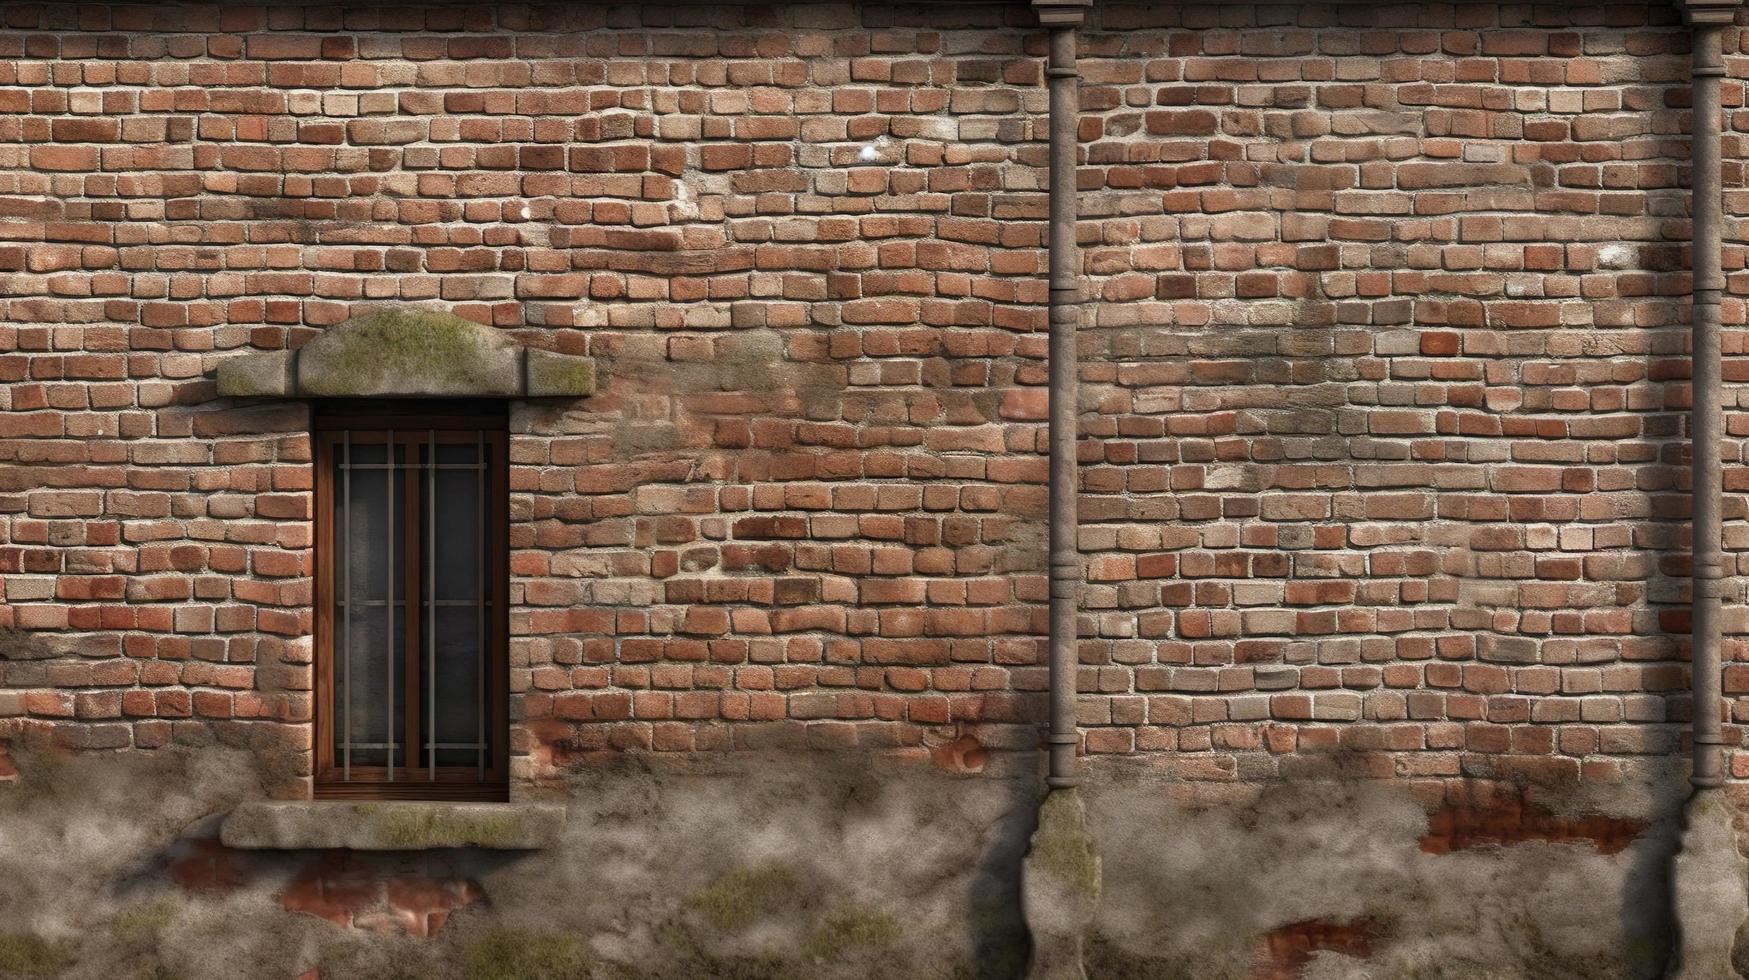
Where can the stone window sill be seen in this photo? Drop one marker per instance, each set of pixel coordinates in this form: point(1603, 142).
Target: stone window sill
point(393, 825)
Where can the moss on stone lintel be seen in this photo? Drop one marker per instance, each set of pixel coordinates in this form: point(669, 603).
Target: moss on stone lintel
point(408, 352)
point(548, 374)
point(267, 374)
point(393, 826)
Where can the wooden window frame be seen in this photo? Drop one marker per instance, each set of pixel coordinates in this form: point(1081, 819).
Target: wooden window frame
point(413, 427)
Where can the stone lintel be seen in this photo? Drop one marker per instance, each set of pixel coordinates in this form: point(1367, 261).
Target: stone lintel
point(1710, 12)
point(407, 352)
point(393, 825)
point(1061, 13)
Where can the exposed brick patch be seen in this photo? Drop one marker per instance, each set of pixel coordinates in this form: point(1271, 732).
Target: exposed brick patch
point(552, 746)
point(963, 754)
point(205, 865)
point(1285, 951)
point(8, 770)
point(355, 892)
point(1506, 818)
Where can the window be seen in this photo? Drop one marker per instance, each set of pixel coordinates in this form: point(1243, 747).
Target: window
point(411, 581)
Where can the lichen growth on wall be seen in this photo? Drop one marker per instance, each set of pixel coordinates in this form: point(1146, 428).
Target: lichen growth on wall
point(735, 898)
point(526, 954)
point(1062, 845)
point(144, 921)
point(853, 927)
point(26, 955)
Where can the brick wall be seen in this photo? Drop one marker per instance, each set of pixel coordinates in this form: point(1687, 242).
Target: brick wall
point(1383, 369)
point(1389, 377)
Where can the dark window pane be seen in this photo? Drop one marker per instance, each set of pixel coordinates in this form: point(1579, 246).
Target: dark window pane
point(454, 548)
point(457, 540)
point(369, 688)
point(429, 646)
point(459, 684)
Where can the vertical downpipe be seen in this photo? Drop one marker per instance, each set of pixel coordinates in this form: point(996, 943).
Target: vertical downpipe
point(1059, 905)
point(1709, 899)
point(1065, 313)
point(1707, 419)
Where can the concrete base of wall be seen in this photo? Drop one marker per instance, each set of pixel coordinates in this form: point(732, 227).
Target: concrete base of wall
point(1059, 886)
point(844, 866)
point(1710, 899)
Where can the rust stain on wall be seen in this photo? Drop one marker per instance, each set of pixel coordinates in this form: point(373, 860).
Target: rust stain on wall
point(1514, 819)
point(1285, 951)
point(349, 892)
point(205, 865)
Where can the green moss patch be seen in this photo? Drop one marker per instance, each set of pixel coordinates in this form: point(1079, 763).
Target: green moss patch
point(25, 955)
point(432, 827)
point(853, 927)
point(738, 897)
point(520, 954)
point(142, 922)
point(1062, 846)
point(557, 375)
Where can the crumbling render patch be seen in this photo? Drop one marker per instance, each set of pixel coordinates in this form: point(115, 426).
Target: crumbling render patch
point(792, 866)
point(1204, 885)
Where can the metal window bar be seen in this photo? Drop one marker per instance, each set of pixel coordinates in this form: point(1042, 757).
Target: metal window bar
point(398, 466)
point(480, 616)
point(427, 469)
point(430, 549)
point(389, 565)
point(439, 744)
point(378, 603)
point(346, 590)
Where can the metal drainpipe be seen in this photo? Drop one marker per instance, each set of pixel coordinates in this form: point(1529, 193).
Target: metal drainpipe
point(1065, 310)
point(1707, 399)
